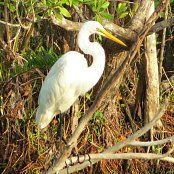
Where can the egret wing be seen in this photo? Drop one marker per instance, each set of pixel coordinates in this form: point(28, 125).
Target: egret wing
point(58, 90)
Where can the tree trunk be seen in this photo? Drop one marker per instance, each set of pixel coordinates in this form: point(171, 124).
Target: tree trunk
point(152, 78)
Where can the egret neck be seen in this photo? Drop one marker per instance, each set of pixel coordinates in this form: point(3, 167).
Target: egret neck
point(95, 70)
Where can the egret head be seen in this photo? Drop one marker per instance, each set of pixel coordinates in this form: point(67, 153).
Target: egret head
point(95, 27)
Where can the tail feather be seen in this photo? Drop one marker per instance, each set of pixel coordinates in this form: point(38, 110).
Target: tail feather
point(43, 118)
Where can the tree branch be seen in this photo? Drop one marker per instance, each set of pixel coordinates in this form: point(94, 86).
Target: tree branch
point(152, 143)
point(126, 34)
point(91, 157)
point(122, 144)
point(161, 25)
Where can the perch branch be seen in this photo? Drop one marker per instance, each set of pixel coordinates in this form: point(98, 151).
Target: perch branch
point(122, 144)
point(101, 156)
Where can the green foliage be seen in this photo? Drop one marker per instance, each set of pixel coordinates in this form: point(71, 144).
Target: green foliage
point(97, 124)
point(98, 116)
point(57, 7)
point(122, 105)
point(100, 10)
point(63, 8)
point(42, 59)
point(88, 96)
point(123, 9)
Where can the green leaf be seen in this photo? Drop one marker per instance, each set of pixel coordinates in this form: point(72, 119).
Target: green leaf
point(135, 8)
point(122, 105)
point(58, 15)
point(105, 5)
point(65, 2)
point(162, 15)
point(98, 114)
point(87, 95)
point(98, 18)
point(107, 16)
point(70, 2)
point(122, 7)
point(11, 7)
point(64, 12)
point(123, 15)
point(130, 13)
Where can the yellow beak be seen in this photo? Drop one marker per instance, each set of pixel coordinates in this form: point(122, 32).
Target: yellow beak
point(111, 37)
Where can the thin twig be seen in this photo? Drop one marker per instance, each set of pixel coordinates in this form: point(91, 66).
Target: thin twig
point(151, 143)
point(79, 12)
point(17, 15)
point(161, 56)
point(9, 24)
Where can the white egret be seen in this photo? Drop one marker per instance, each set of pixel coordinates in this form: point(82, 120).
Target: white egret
point(70, 76)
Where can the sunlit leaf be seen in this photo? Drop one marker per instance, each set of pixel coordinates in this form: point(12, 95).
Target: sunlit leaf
point(11, 7)
point(107, 16)
point(122, 7)
point(123, 15)
point(122, 105)
point(64, 12)
point(87, 95)
point(105, 5)
point(58, 15)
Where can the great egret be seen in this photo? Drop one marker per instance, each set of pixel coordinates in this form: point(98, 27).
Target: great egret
point(70, 76)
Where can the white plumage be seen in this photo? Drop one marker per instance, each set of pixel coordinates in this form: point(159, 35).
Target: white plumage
point(70, 76)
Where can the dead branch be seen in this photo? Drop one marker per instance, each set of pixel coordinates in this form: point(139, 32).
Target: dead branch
point(152, 143)
point(161, 56)
point(122, 144)
point(148, 156)
point(161, 25)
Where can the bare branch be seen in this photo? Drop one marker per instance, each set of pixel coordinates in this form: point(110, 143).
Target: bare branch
point(79, 12)
point(161, 25)
point(9, 24)
point(93, 158)
point(151, 143)
point(122, 144)
point(66, 24)
point(17, 15)
point(100, 156)
point(161, 56)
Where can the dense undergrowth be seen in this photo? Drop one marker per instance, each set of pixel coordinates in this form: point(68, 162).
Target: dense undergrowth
point(24, 148)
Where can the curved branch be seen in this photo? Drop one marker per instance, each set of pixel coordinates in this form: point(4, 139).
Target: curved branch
point(125, 33)
point(120, 145)
point(161, 25)
point(66, 24)
point(120, 156)
point(152, 143)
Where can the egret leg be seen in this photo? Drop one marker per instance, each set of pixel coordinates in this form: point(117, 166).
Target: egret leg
point(60, 132)
point(59, 129)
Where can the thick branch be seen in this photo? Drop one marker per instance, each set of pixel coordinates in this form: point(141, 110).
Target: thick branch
point(125, 33)
point(101, 156)
point(122, 144)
